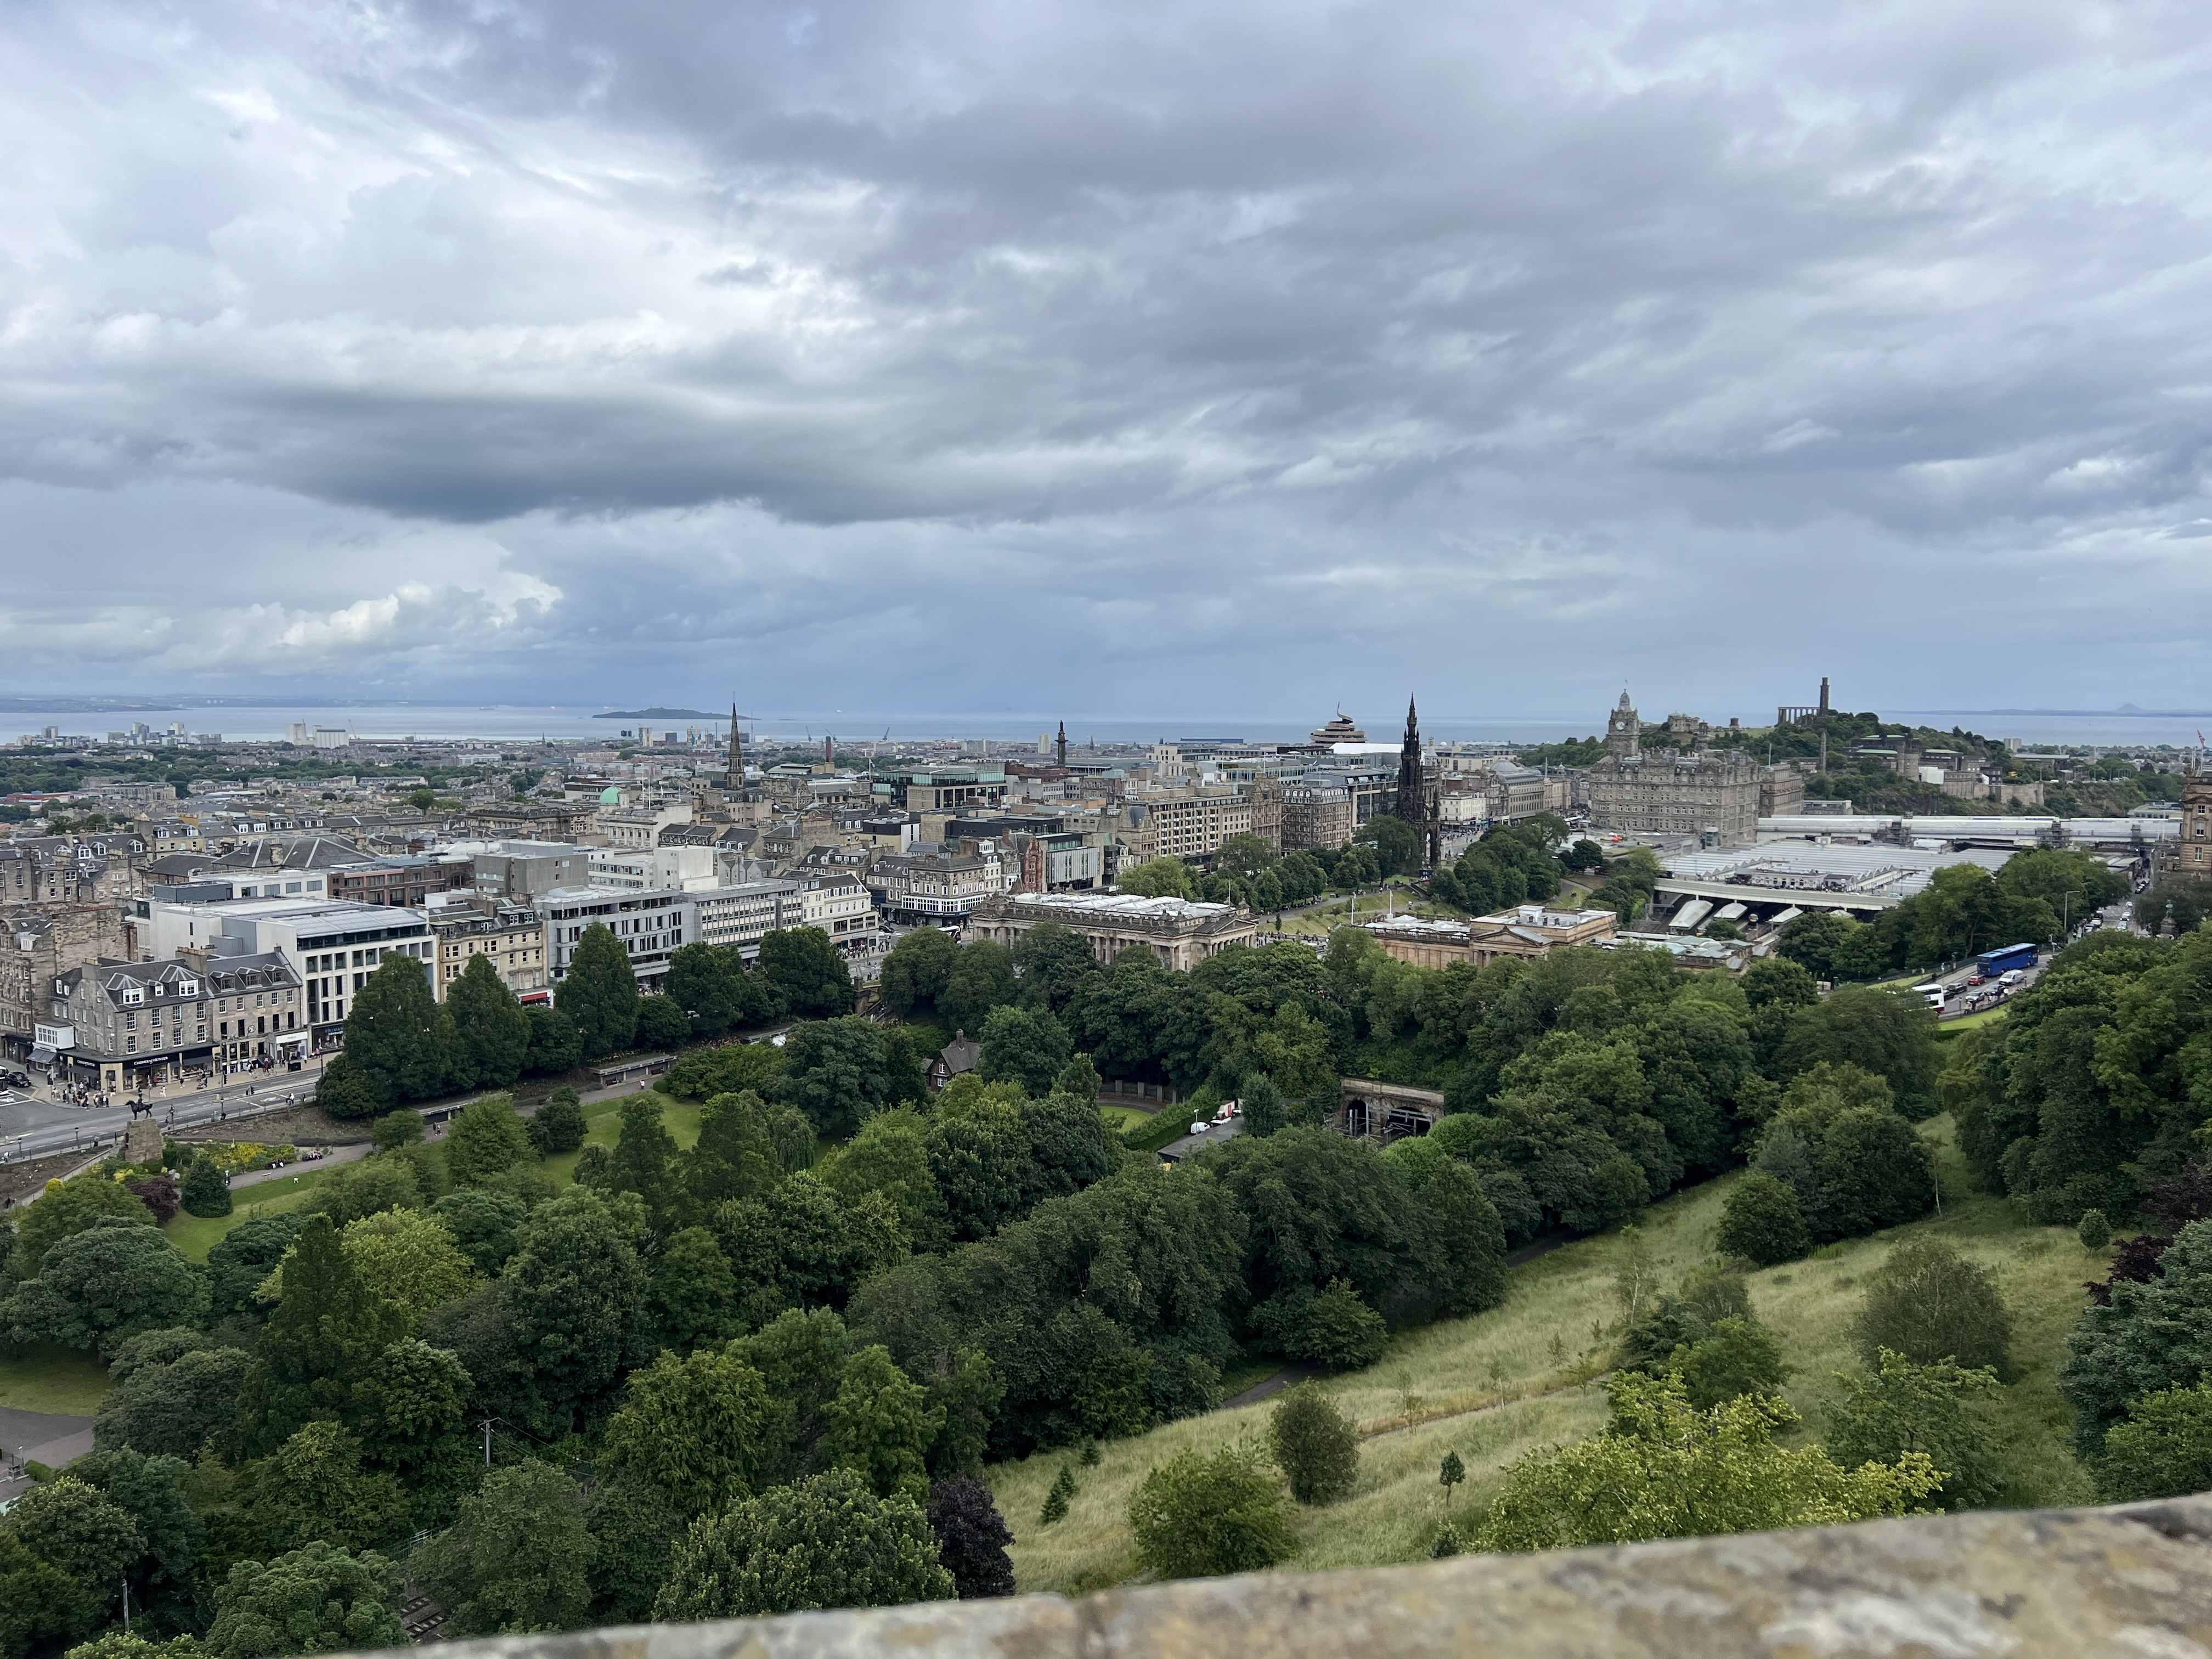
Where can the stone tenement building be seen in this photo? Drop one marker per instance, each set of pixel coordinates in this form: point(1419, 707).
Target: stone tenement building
point(1181, 934)
point(2191, 852)
point(1663, 792)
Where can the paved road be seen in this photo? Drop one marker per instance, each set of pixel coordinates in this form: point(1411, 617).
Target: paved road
point(34, 1123)
point(42, 1438)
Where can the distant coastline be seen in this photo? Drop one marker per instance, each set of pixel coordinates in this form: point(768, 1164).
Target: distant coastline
point(657, 714)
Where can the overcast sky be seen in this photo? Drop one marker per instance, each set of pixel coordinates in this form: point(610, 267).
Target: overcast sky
point(1232, 357)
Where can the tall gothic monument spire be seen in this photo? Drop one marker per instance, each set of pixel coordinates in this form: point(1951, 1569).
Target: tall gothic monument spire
point(1060, 745)
point(735, 782)
point(1412, 791)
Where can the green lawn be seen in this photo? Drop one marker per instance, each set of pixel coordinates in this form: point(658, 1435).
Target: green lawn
point(1951, 1028)
point(602, 1124)
point(197, 1235)
point(1502, 1383)
point(1123, 1119)
point(42, 1378)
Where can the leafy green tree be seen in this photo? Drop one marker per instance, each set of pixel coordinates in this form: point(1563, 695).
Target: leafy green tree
point(2162, 1450)
point(727, 1068)
point(1266, 1111)
point(411, 1397)
point(644, 1160)
point(82, 1535)
point(1315, 1446)
point(805, 968)
point(2071, 884)
point(1664, 1470)
point(98, 1288)
point(67, 1207)
point(326, 1331)
point(1736, 1357)
point(890, 1156)
point(968, 1388)
point(802, 1244)
point(834, 1072)
point(599, 993)
point(390, 1182)
point(1890, 1034)
point(1070, 1144)
point(1929, 1304)
point(315, 1489)
point(635, 1528)
point(915, 971)
point(1052, 960)
point(518, 1560)
point(1812, 941)
point(558, 1126)
point(881, 1425)
point(695, 1428)
point(173, 1408)
point(1760, 1219)
point(980, 978)
point(408, 1259)
point(402, 1041)
point(1023, 1046)
point(695, 1294)
point(980, 1156)
point(1397, 847)
point(320, 1599)
point(823, 1542)
point(734, 1156)
point(972, 1537)
point(38, 1602)
point(1449, 1474)
point(346, 1090)
point(2153, 1335)
point(699, 984)
point(492, 1032)
point(241, 1259)
point(1160, 878)
point(482, 1223)
point(1855, 1165)
point(207, 1190)
point(556, 1043)
point(2185, 900)
point(1897, 1407)
point(801, 1358)
point(397, 1129)
point(579, 1300)
point(2093, 1231)
point(487, 1140)
point(662, 1024)
point(1200, 1513)
point(151, 1491)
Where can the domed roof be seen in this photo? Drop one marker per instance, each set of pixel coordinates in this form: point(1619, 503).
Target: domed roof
point(610, 796)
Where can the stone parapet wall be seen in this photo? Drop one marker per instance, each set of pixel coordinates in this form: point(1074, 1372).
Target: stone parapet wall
point(2065, 1583)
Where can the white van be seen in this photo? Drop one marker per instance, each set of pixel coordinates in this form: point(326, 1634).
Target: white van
point(1934, 993)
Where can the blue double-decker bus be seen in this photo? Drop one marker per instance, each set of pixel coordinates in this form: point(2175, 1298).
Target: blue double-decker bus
point(1990, 963)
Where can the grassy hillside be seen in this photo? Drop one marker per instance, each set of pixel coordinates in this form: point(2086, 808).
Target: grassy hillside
point(1495, 1386)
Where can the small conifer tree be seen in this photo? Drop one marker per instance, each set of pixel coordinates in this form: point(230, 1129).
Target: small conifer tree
point(1056, 1501)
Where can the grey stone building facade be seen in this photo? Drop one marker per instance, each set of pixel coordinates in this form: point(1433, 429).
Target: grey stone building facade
point(1706, 795)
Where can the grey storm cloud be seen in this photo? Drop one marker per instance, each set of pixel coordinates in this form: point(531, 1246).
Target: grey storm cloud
point(467, 336)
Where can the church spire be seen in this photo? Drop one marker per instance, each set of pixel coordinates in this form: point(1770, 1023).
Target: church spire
point(735, 782)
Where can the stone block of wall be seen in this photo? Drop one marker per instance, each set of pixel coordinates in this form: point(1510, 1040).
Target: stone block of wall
point(2027, 1584)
